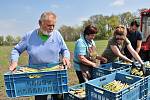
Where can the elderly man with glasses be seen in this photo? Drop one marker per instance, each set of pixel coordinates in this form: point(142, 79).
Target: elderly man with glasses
point(43, 45)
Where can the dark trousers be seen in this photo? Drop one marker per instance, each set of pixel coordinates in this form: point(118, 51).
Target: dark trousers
point(57, 96)
point(41, 97)
point(53, 97)
point(81, 77)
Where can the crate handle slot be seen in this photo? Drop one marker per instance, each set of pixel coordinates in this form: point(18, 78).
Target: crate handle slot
point(102, 79)
point(35, 76)
point(127, 77)
point(127, 70)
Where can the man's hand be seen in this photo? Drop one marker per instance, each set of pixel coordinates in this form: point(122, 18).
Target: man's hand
point(13, 66)
point(66, 62)
point(133, 65)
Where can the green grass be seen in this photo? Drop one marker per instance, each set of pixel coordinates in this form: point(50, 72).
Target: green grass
point(1, 82)
point(4, 63)
point(100, 45)
point(70, 45)
point(5, 55)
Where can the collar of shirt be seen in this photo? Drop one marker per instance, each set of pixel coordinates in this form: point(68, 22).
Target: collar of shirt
point(43, 36)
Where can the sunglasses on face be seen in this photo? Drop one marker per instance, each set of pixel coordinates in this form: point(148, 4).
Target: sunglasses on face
point(120, 27)
point(119, 38)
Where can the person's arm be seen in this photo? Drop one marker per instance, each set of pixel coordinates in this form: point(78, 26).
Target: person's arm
point(117, 52)
point(81, 53)
point(15, 53)
point(139, 42)
point(13, 65)
point(85, 61)
point(66, 61)
point(134, 54)
point(65, 52)
point(66, 58)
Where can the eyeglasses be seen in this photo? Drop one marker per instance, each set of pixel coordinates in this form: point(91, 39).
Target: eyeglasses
point(119, 38)
point(120, 27)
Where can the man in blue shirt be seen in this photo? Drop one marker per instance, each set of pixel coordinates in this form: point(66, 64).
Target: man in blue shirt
point(43, 45)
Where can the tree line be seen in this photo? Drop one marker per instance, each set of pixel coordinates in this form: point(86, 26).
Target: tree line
point(9, 40)
point(105, 25)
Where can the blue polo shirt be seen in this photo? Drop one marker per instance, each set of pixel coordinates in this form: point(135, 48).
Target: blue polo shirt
point(40, 51)
point(81, 48)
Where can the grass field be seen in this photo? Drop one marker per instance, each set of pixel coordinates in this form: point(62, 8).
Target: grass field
point(4, 63)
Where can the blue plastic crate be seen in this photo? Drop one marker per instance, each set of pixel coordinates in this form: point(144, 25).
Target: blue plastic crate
point(147, 67)
point(147, 87)
point(94, 90)
point(36, 83)
point(145, 90)
point(148, 97)
point(146, 81)
point(108, 68)
point(70, 96)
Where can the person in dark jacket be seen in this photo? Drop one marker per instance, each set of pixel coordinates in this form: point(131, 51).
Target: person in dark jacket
point(134, 37)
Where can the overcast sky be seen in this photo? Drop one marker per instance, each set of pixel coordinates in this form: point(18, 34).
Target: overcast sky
point(20, 16)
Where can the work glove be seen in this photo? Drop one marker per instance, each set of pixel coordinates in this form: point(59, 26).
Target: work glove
point(133, 65)
point(142, 68)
